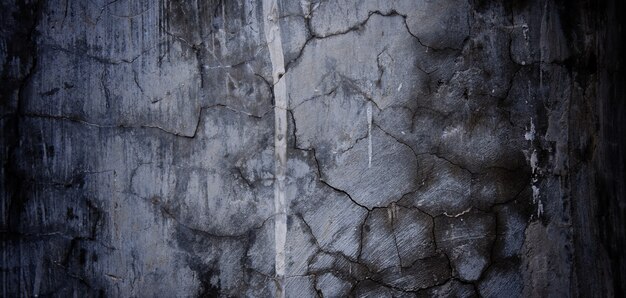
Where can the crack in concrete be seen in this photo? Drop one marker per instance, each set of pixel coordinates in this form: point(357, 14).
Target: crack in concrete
point(356, 27)
point(200, 117)
point(102, 60)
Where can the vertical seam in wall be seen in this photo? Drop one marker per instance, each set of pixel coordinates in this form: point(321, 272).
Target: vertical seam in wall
point(274, 43)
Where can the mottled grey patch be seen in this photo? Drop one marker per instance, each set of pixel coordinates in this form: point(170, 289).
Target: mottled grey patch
point(466, 239)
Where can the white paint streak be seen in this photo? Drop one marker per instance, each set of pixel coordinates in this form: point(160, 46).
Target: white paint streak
point(525, 33)
point(369, 134)
point(537, 200)
point(534, 166)
point(530, 134)
point(535, 193)
point(543, 42)
point(534, 161)
point(272, 34)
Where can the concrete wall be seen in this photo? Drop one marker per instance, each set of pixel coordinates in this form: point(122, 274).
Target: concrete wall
point(312, 148)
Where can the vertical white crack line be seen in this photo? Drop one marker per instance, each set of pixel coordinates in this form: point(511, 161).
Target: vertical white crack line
point(272, 34)
point(369, 134)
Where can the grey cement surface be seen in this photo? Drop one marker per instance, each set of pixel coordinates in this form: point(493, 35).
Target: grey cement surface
point(311, 148)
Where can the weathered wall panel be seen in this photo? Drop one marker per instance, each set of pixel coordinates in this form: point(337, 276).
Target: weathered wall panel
point(312, 148)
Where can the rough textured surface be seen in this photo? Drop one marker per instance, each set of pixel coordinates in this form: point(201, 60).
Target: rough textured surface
point(401, 148)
